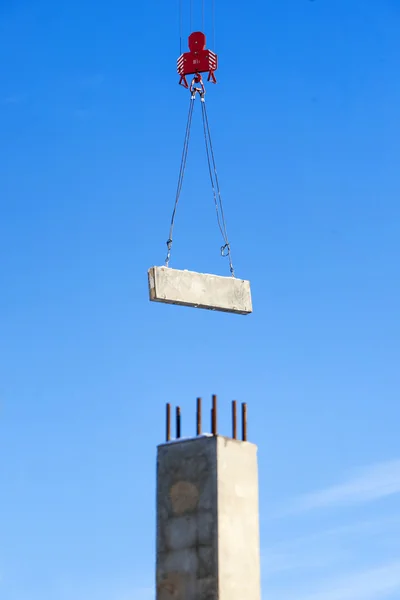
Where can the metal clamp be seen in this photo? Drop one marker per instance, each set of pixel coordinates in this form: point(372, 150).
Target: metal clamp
point(197, 79)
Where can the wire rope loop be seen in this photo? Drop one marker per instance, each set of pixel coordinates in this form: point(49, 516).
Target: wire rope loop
point(225, 250)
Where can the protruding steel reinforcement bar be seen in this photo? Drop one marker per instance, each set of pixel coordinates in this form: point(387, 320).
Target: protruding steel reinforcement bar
point(234, 419)
point(244, 422)
point(214, 415)
point(214, 420)
point(178, 422)
point(198, 417)
point(168, 424)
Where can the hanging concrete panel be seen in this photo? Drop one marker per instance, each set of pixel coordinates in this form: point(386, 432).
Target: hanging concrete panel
point(199, 290)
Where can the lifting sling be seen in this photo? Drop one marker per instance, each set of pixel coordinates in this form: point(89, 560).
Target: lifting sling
point(197, 89)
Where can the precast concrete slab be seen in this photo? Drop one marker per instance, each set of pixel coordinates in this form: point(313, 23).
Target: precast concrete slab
point(199, 290)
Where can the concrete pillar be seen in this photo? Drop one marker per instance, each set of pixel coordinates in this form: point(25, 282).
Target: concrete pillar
point(207, 520)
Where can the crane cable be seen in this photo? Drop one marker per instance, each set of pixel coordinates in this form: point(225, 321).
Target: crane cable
point(180, 178)
point(226, 248)
point(212, 169)
point(203, 20)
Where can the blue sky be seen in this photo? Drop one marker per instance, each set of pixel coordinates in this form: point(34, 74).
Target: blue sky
point(305, 123)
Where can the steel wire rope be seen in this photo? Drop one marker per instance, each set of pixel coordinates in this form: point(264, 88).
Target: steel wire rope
point(180, 178)
point(213, 24)
point(180, 27)
point(226, 249)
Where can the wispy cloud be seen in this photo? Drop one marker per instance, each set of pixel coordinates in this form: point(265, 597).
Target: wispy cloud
point(331, 548)
point(372, 584)
point(279, 561)
point(337, 562)
point(371, 483)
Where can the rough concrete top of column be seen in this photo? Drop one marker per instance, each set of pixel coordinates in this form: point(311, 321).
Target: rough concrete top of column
point(199, 290)
point(205, 436)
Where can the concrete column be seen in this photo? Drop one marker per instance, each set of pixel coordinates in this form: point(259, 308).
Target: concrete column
point(207, 520)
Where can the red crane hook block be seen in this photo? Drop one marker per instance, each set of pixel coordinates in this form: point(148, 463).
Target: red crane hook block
point(197, 60)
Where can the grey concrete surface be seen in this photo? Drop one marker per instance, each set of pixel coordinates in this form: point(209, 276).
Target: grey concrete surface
point(238, 521)
point(199, 290)
point(186, 521)
point(207, 520)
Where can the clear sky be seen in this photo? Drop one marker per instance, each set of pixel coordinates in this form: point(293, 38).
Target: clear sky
point(306, 128)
